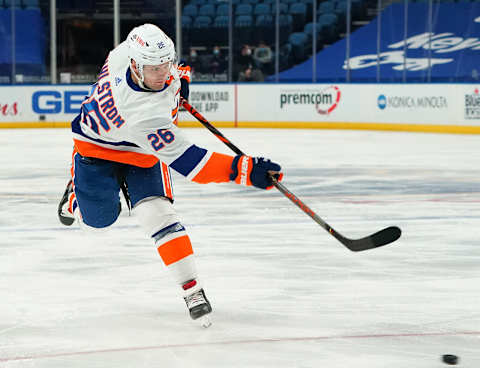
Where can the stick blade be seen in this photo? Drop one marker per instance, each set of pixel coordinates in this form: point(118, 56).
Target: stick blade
point(379, 239)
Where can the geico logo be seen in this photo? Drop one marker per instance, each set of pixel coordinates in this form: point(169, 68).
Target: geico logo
point(54, 102)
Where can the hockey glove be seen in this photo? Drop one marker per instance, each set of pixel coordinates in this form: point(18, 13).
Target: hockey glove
point(184, 73)
point(254, 171)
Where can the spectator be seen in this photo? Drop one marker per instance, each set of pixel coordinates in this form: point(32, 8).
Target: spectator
point(262, 57)
point(217, 62)
point(251, 75)
point(245, 59)
point(192, 59)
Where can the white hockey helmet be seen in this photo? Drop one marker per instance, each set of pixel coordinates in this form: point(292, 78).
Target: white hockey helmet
point(149, 45)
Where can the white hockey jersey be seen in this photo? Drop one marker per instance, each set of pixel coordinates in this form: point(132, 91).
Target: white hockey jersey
point(121, 122)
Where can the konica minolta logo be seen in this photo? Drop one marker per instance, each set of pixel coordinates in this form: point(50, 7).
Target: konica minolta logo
point(382, 102)
point(472, 105)
point(412, 102)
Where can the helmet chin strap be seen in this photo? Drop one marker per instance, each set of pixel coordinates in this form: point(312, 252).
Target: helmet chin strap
point(139, 76)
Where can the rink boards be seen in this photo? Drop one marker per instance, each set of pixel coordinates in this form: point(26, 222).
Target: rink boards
point(445, 108)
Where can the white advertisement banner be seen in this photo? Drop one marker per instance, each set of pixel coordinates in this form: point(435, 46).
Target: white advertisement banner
point(31, 104)
point(214, 101)
point(356, 103)
point(41, 103)
point(420, 107)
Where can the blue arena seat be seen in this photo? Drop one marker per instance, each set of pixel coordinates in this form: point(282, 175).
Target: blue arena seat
point(341, 11)
point(31, 3)
point(221, 21)
point(309, 4)
point(326, 7)
point(328, 23)
point(243, 9)
point(282, 6)
point(207, 9)
point(243, 21)
point(198, 2)
point(186, 26)
point(299, 14)
point(286, 26)
point(220, 27)
point(223, 9)
point(264, 20)
point(298, 8)
point(264, 24)
point(10, 3)
point(309, 31)
point(190, 10)
point(243, 28)
point(298, 40)
point(261, 9)
point(186, 21)
point(201, 31)
point(202, 21)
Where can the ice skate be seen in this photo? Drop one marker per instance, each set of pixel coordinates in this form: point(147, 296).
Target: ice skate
point(64, 215)
point(197, 303)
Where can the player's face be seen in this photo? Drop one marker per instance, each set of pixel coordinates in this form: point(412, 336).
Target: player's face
point(155, 76)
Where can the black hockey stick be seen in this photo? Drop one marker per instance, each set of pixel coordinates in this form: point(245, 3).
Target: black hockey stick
point(380, 238)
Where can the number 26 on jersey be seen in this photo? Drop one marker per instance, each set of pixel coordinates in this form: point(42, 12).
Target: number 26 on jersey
point(160, 138)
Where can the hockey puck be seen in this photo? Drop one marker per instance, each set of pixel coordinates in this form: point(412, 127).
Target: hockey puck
point(450, 359)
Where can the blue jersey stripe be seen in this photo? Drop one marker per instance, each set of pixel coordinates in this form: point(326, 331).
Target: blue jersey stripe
point(188, 160)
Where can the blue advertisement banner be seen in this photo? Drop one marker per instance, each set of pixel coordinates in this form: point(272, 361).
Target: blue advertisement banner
point(446, 49)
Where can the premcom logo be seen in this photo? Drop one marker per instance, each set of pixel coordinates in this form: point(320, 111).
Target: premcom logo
point(325, 101)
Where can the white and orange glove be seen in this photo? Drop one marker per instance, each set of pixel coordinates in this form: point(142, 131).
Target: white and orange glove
point(256, 171)
point(184, 71)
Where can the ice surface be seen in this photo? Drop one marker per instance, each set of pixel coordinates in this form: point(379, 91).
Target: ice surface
point(284, 292)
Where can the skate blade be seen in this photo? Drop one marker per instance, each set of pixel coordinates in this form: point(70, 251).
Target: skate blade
point(205, 321)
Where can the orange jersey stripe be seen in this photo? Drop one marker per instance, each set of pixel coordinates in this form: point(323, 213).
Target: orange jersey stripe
point(175, 250)
point(126, 157)
point(174, 111)
point(216, 170)
point(167, 186)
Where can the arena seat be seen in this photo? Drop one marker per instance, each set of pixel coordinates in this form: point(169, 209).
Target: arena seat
point(207, 9)
point(190, 10)
point(243, 9)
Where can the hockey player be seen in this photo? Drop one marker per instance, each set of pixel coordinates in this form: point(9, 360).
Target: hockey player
point(126, 137)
